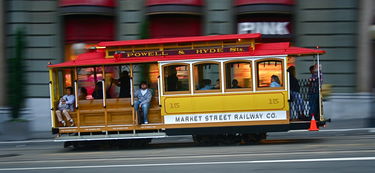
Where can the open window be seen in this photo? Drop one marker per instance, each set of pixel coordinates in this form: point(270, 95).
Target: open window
point(117, 81)
point(270, 74)
point(89, 83)
point(238, 75)
point(63, 78)
point(176, 78)
point(207, 77)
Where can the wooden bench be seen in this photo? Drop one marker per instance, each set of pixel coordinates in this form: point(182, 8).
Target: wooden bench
point(119, 112)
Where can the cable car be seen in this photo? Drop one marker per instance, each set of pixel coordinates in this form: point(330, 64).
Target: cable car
point(220, 88)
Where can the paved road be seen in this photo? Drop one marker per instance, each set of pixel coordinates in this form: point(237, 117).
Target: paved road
point(329, 151)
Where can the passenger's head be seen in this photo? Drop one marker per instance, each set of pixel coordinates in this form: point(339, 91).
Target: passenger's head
point(124, 74)
point(275, 78)
point(206, 82)
point(83, 91)
point(143, 85)
point(312, 69)
point(292, 70)
point(98, 86)
point(172, 70)
point(234, 83)
point(69, 90)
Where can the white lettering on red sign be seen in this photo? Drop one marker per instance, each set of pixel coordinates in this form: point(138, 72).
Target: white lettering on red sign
point(225, 117)
point(267, 28)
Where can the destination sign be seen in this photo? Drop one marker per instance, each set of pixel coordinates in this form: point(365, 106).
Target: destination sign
point(128, 54)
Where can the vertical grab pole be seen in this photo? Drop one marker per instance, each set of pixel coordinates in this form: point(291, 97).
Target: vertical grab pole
point(76, 93)
point(131, 91)
point(134, 112)
point(288, 80)
point(222, 85)
point(105, 101)
point(76, 99)
point(159, 90)
point(289, 92)
point(320, 88)
point(104, 96)
point(51, 102)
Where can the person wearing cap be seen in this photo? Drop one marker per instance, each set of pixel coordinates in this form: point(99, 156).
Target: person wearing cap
point(142, 101)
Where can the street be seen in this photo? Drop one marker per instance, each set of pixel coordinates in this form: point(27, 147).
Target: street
point(300, 151)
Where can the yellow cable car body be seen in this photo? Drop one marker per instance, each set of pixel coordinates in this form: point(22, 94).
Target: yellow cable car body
point(242, 100)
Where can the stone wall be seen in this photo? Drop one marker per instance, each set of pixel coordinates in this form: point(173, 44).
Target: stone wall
point(332, 25)
point(39, 19)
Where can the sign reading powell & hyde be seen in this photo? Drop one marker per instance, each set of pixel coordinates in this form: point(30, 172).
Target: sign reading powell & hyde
point(128, 54)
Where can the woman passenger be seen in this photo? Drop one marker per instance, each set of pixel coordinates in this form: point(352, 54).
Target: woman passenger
point(98, 91)
point(275, 81)
point(82, 94)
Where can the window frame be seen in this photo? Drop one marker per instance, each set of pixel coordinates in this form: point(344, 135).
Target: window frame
point(164, 81)
point(207, 91)
point(282, 78)
point(225, 76)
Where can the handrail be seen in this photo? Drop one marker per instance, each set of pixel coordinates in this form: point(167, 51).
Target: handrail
point(288, 79)
point(76, 94)
point(51, 102)
point(50, 94)
point(104, 96)
point(131, 92)
point(159, 92)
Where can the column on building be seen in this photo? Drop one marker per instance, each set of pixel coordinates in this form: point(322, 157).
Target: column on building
point(2, 57)
point(333, 26)
point(85, 23)
point(274, 19)
point(174, 18)
point(219, 17)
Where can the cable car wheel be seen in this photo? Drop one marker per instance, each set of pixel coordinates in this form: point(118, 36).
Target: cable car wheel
point(251, 138)
point(222, 139)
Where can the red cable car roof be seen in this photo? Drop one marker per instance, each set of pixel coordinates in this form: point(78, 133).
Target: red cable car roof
point(180, 39)
point(262, 49)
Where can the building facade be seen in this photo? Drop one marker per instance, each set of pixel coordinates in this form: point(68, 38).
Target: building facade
point(57, 30)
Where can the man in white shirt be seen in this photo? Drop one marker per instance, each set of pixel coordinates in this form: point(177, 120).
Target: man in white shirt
point(142, 100)
point(66, 105)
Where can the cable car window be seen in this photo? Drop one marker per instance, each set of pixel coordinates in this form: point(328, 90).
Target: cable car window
point(146, 73)
point(238, 75)
point(89, 83)
point(176, 78)
point(207, 77)
point(270, 74)
point(117, 81)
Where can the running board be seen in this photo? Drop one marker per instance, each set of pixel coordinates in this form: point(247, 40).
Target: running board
point(68, 138)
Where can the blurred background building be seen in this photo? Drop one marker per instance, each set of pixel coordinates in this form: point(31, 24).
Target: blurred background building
point(58, 30)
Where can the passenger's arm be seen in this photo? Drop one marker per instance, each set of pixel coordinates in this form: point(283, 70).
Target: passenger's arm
point(70, 100)
point(148, 97)
point(136, 94)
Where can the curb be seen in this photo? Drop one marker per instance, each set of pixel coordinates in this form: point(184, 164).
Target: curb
point(369, 130)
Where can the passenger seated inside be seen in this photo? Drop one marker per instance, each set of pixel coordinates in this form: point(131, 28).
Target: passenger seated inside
point(206, 83)
point(235, 83)
point(275, 81)
point(124, 83)
point(82, 93)
point(172, 79)
point(142, 101)
point(98, 91)
point(217, 85)
point(66, 104)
